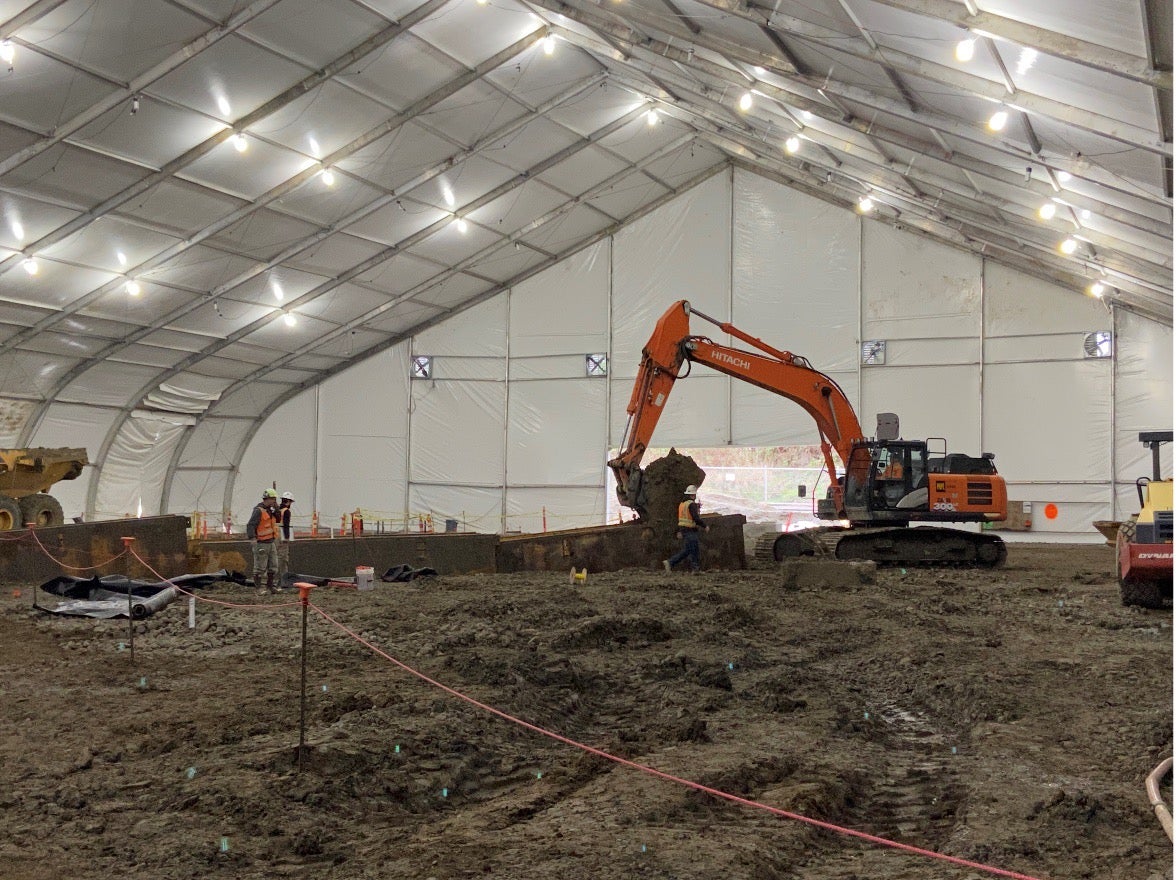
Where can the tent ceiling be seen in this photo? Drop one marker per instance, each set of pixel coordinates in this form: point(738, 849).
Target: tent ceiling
point(368, 166)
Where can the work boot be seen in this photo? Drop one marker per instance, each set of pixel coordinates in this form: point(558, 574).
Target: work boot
point(269, 581)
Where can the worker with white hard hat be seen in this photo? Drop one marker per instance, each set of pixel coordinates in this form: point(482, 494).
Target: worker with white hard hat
point(285, 536)
point(689, 524)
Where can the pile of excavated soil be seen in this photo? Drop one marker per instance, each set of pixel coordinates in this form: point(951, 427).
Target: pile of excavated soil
point(1004, 717)
point(665, 482)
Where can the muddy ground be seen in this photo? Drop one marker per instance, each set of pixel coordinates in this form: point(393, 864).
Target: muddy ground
point(1007, 718)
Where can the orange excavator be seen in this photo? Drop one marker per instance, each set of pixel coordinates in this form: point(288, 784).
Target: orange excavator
point(884, 486)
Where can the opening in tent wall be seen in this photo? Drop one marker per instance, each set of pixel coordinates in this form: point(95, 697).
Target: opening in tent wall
point(508, 430)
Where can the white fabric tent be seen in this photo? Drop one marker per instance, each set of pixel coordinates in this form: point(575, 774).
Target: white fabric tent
point(226, 228)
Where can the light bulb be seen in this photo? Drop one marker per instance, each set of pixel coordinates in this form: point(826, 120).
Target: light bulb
point(965, 49)
point(240, 142)
point(998, 120)
point(651, 117)
point(7, 52)
point(745, 102)
point(866, 204)
point(1097, 289)
point(462, 225)
point(792, 144)
point(548, 45)
point(133, 287)
point(1046, 211)
point(30, 266)
point(328, 177)
point(289, 319)
point(482, 2)
point(1068, 246)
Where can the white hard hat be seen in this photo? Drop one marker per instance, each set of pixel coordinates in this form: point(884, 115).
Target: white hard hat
point(691, 490)
point(287, 496)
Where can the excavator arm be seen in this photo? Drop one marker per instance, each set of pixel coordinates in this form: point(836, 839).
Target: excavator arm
point(780, 372)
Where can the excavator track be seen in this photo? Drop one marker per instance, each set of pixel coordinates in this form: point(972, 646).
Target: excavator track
point(886, 546)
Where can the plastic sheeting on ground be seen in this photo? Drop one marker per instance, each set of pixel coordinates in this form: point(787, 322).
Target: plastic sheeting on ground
point(111, 596)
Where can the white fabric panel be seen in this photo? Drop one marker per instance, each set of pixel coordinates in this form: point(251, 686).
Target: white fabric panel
point(14, 415)
point(556, 432)
point(1018, 305)
point(217, 443)
point(915, 287)
point(457, 432)
point(795, 274)
point(480, 330)
point(202, 493)
point(528, 509)
point(29, 374)
point(932, 352)
point(1058, 493)
point(1033, 347)
point(696, 413)
point(476, 510)
point(66, 425)
point(449, 367)
point(1049, 421)
point(109, 383)
point(1143, 398)
point(1073, 522)
point(555, 366)
point(134, 468)
point(564, 308)
point(679, 251)
point(930, 402)
point(281, 454)
point(766, 419)
point(363, 442)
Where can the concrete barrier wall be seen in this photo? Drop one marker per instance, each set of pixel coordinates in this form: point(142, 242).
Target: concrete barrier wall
point(89, 549)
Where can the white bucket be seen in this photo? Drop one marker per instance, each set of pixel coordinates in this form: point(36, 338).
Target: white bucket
point(363, 577)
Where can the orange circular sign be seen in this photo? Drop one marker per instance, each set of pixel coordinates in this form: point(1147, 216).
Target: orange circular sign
point(1051, 511)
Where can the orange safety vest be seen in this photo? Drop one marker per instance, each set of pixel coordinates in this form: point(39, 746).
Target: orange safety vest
point(267, 526)
point(685, 520)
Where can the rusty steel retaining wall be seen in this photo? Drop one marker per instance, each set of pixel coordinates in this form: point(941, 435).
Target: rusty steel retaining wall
point(446, 553)
point(89, 549)
point(612, 548)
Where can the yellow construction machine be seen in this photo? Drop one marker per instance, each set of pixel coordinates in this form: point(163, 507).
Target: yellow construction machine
point(25, 478)
point(1143, 547)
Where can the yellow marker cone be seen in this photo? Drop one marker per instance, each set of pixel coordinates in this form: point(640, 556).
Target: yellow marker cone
point(581, 576)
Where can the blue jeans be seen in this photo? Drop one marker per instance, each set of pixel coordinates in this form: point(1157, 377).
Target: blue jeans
point(690, 550)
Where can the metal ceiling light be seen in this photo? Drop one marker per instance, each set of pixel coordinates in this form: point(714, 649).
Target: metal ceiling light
point(792, 145)
point(7, 52)
point(745, 102)
point(1064, 176)
point(462, 226)
point(1047, 211)
point(651, 116)
point(998, 120)
point(30, 266)
point(1085, 215)
point(133, 287)
point(1068, 246)
point(965, 49)
point(548, 45)
point(1097, 289)
point(240, 142)
point(865, 204)
point(289, 319)
point(328, 177)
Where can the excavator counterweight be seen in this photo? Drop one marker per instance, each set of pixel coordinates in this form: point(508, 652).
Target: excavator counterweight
point(884, 483)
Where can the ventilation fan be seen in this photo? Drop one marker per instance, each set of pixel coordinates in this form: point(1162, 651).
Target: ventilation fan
point(1097, 344)
point(874, 351)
